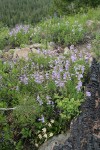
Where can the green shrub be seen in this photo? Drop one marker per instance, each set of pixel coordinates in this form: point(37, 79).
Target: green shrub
point(14, 12)
point(68, 107)
point(63, 7)
point(45, 93)
point(3, 36)
point(66, 30)
point(20, 35)
point(60, 30)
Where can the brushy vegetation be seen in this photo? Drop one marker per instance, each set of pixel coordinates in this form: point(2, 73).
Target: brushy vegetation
point(65, 7)
point(23, 11)
point(43, 95)
point(45, 92)
point(63, 31)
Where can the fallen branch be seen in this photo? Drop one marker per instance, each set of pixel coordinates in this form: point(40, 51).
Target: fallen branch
point(6, 109)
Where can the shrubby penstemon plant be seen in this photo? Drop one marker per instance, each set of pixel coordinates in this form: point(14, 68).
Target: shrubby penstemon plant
point(60, 30)
point(65, 30)
point(46, 91)
point(20, 34)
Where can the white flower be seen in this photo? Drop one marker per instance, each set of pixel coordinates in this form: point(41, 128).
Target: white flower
point(45, 135)
point(36, 145)
point(52, 121)
point(44, 130)
point(73, 30)
point(49, 124)
point(40, 136)
point(51, 134)
point(38, 131)
point(80, 29)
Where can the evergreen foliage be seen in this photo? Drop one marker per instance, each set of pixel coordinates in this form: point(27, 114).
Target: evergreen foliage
point(63, 7)
point(13, 12)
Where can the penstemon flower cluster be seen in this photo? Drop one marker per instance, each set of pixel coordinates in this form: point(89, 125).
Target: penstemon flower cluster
point(19, 28)
point(50, 79)
point(61, 69)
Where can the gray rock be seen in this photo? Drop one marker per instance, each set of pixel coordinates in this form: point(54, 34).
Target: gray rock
point(37, 51)
point(33, 50)
point(36, 45)
point(21, 53)
point(66, 51)
point(56, 140)
point(51, 45)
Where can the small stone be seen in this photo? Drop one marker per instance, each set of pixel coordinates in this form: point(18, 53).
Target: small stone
point(36, 45)
point(51, 45)
point(21, 53)
point(33, 50)
point(66, 51)
point(36, 51)
point(55, 140)
point(89, 23)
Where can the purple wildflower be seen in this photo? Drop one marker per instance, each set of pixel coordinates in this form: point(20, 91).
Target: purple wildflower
point(80, 76)
point(18, 28)
point(82, 68)
point(47, 75)
point(88, 94)
point(67, 65)
point(55, 75)
point(60, 68)
point(39, 100)
point(38, 77)
point(73, 58)
point(59, 83)
point(65, 76)
point(78, 87)
point(42, 119)
point(24, 79)
point(72, 47)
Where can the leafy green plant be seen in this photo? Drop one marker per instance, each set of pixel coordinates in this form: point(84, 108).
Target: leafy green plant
point(37, 91)
point(68, 107)
point(39, 97)
point(63, 7)
point(14, 12)
point(20, 35)
point(3, 36)
point(62, 31)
